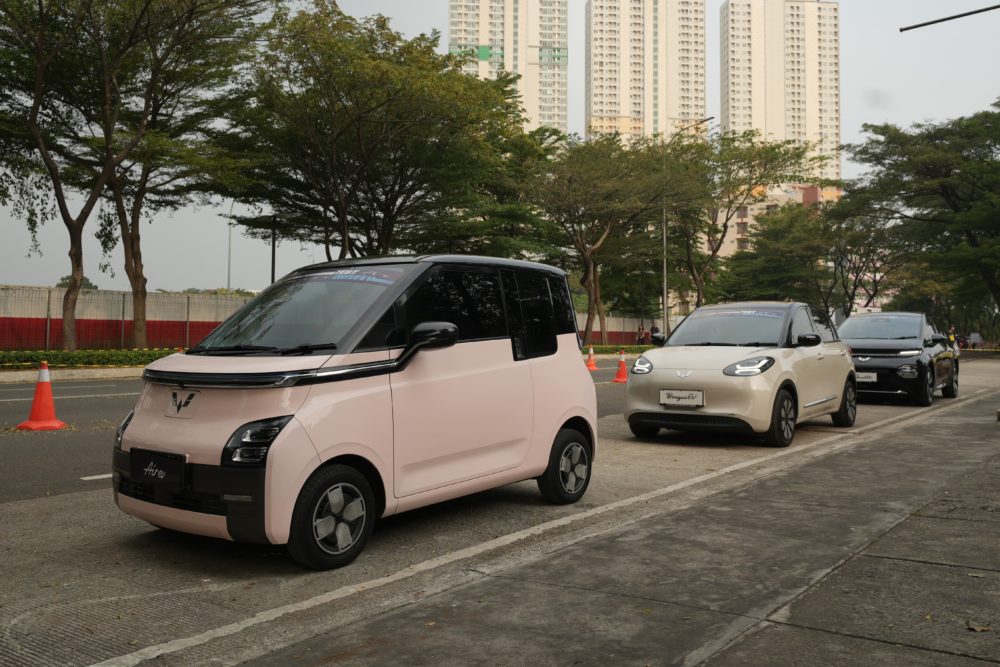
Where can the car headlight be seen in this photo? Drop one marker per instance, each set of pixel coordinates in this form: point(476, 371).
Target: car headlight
point(908, 372)
point(642, 366)
point(748, 367)
point(910, 353)
point(120, 432)
point(249, 444)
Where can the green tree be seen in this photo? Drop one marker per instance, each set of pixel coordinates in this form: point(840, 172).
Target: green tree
point(941, 183)
point(78, 83)
point(85, 282)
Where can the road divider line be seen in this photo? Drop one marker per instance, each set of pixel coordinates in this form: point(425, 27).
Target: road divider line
point(63, 398)
point(91, 478)
point(176, 645)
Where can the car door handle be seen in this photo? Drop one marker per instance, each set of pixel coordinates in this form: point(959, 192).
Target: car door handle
point(820, 357)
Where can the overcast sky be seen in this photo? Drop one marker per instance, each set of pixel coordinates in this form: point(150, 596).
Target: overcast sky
point(933, 73)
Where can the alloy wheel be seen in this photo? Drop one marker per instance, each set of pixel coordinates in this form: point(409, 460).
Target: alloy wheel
point(339, 518)
point(852, 402)
point(573, 467)
point(786, 417)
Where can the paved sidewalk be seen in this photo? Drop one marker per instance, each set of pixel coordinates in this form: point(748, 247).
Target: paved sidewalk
point(883, 553)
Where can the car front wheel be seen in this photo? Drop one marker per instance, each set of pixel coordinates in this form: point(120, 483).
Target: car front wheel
point(333, 518)
point(643, 430)
point(848, 412)
point(568, 475)
point(783, 418)
point(926, 395)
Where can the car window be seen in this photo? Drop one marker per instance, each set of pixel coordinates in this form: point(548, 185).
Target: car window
point(750, 326)
point(886, 326)
point(562, 305)
point(538, 313)
point(469, 299)
point(383, 334)
point(801, 324)
point(822, 326)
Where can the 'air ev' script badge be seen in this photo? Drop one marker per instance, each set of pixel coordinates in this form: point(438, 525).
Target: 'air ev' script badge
point(182, 404)
point(683, 374)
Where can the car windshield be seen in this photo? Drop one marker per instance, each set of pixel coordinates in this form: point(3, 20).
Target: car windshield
point(306, 313)
point(752, 327)
point(886, 327)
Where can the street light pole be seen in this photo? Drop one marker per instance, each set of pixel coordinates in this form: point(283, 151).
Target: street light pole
point(663, 229)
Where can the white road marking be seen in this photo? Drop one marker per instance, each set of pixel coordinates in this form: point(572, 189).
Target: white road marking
point(173, 646)
point(93, 477)
point(61, 398)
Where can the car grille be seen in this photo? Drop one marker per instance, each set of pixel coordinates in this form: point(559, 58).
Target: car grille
point(205, 503)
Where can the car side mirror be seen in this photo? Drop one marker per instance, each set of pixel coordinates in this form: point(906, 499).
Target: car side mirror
point(938, 339)
point(809, 340)
point(658, 339)
point(431, 335)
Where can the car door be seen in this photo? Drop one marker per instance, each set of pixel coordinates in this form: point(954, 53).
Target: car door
point(940, 354)
point(835, 363)
point(464, 411)
point(809, 373)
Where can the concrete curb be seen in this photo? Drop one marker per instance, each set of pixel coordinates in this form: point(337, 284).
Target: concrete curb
point(16, 377)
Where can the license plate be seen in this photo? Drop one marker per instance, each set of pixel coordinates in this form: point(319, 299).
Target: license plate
point(867, 377)
point(157, 468)
point(686, 397)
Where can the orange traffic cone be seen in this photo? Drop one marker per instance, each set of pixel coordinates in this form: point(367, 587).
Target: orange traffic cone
point(591, 364)
point(622, 376)
point(43, 408)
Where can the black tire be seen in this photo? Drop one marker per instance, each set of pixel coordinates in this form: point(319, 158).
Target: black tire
point(926, 395)
point(783, 418)
point(333, 518)
point(848, 412)
point(567, 477)
point(643, 430)
point(950, 390)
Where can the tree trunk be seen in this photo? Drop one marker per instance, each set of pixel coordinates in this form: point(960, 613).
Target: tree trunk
point(600, 306)
point(587, 281)
point(73, 289)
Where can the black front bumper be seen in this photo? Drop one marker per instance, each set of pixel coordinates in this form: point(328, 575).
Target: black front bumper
point(691, 422)
point(235, 493)
point(888, 382)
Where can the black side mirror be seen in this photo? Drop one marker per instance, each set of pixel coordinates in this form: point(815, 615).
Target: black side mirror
point(432, 335)
point(809, 340)
point(658, 339)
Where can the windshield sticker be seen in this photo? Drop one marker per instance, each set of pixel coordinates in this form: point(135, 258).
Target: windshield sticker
point(771, 314)
point(374, 276)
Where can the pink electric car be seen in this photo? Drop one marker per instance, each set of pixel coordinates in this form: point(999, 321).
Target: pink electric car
point(353, 390)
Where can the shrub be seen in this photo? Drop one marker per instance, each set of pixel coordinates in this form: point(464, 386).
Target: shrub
point(27, 359)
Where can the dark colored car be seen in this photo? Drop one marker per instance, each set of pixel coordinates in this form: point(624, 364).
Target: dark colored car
point(900, 354)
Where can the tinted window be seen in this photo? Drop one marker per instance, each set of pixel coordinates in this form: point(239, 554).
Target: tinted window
point(539, 317)
point(515, 320)
point(383, 334)
point(468, 299)
point(730, 326)
point(800, 325)
point(563, 305)
point(821, 323)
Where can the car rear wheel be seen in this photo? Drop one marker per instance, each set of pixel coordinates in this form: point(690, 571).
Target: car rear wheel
point(783, 418)
point(848, 412)
point(643, 430)
point(951, 389)
point(568, 475)
point(333, 518)
point(926, 395)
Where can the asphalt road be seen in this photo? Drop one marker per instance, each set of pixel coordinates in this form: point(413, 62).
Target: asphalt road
point(85, 583)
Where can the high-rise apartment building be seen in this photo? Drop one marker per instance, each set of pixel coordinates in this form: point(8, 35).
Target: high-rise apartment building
point(645, 66)
point(524, 37)
point(781, 72)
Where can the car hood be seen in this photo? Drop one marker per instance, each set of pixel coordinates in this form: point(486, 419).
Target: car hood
point(707, 358)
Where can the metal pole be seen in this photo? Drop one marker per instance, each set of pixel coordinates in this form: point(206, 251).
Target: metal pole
point(48, 318)
point(274, 245)
point(949, 18)
point(121, 341)
point(229, 254)
point(666, 304)
point(187, 325)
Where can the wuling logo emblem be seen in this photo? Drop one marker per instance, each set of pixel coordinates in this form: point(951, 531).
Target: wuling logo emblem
point(683, 374)
point(180, 403)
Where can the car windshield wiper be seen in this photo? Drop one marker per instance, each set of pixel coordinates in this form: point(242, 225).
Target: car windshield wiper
point(306, 348)
point(232, 348)
point(706, 344)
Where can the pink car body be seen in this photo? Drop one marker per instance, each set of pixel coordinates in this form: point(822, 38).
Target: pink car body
point(421, 426)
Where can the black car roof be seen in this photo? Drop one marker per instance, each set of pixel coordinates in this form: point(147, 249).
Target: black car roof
point(783, 305)
point(888, 312)
point(432, 259)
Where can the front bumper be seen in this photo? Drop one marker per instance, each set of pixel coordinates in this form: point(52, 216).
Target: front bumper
point(731, 404)
point(213, 500)
point(888, 383)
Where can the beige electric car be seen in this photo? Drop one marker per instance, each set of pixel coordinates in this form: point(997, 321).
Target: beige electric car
point(754, 368)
